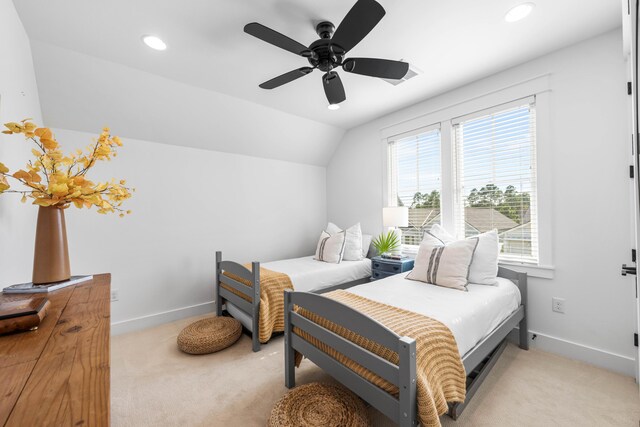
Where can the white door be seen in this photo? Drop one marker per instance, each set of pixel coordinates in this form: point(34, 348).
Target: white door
point(630, 30)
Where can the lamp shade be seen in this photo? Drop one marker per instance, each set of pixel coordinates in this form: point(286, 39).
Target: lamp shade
point(395, 216)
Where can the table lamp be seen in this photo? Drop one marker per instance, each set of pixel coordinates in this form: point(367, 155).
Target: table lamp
point(394, 217)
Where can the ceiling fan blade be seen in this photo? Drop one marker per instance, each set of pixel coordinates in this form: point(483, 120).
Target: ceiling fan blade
point(286, 78)
point(333, 88)
point(360, 20)
point(374, 67)
point(275, 38)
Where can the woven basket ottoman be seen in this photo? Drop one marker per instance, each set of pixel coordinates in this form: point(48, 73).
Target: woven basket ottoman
point(319, 405)
point(209, 335)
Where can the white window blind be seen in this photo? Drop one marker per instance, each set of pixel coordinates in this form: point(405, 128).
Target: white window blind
point(415, 180)
point(495, 155)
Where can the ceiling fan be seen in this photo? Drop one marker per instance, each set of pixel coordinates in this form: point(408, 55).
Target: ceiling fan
point(328, 52)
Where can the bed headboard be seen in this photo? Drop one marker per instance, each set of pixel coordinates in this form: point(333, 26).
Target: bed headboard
point(520, 279)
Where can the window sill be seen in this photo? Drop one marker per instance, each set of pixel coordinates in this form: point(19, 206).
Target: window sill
point(410, 250)
point(539, 271)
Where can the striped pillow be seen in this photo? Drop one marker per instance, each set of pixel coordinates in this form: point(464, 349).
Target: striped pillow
point(484, 265)
point(330, 247)
point(444, 265)
point(353, 241)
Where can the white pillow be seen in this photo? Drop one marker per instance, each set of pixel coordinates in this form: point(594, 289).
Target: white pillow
point(484, 266)
point(366, 244)
point(332, 228)
point(353, 246)
point(330, 248)
point(444, 265)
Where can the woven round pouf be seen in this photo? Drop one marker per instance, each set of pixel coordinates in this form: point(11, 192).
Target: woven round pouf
point(209, 335)
point(318, 404)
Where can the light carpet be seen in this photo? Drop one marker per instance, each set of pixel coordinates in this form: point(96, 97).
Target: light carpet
point(154, 384)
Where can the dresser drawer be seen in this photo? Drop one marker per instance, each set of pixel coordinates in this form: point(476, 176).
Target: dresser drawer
point(377, 274)
point(387, 267)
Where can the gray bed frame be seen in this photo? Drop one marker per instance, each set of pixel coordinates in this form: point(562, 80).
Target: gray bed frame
point(251, 308)
point(402, 409)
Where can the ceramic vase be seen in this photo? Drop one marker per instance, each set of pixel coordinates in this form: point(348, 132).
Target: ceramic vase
point(51, 254)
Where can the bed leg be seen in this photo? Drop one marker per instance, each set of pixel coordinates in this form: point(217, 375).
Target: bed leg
point(255, 343)
point(407, 398)
point(524, 329)
point(255, 318)
point(218, 299)
point(524, 332)
point(289, 354)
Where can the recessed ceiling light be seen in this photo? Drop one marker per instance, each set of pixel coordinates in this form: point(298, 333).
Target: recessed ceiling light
point(333, 106)
point(519, 12)
point(154, 42)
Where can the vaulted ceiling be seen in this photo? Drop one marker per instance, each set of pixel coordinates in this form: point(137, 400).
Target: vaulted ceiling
point(91, 51)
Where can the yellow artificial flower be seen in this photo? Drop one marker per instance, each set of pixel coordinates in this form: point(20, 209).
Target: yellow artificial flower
point(13, 128)
point(4, 185)
point(65, 176)
point(58, 189)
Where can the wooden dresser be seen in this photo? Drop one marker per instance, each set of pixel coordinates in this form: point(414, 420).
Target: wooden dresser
point(58, 375)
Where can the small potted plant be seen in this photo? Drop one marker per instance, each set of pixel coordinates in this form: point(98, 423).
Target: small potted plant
point(54, 182)
point(386, 243)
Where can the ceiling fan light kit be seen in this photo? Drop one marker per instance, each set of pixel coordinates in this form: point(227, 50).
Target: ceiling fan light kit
point(328, 52)
point(519, 12)
point(154, 42)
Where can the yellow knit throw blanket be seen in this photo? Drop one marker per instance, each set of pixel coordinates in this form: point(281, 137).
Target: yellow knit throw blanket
point(272, 286)
point(440, 373)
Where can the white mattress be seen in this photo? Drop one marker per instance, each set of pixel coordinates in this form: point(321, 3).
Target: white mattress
point(470, 316)
point(308, 275)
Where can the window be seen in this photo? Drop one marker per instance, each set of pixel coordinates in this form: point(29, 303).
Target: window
point(496, 179)
point(488, 171)
point(415, 181)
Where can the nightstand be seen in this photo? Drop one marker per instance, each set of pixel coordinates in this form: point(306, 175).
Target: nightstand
point(385, 267)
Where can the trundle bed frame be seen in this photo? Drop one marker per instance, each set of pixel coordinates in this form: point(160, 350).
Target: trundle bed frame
point(251, 308)
point(402, 409)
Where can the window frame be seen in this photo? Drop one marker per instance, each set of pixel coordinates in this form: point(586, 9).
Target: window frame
point(531, 101)
point(391, 185)
point(536, 89)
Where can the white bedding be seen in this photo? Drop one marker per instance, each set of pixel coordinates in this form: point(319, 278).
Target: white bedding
point(308, 274)
point(470, 316)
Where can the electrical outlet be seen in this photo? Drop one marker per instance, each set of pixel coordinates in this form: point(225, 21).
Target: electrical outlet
point(557, 305)
point(114, 295)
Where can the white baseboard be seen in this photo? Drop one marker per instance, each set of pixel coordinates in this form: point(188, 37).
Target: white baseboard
point(156, 319)
point(594, 356)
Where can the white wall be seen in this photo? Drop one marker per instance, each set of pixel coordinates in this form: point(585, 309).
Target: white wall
point(82, 92)
point(188, 204)
point(18, 100)
point(587, 152)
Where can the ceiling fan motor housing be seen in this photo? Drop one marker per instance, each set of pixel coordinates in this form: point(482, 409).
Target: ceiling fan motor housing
point(325, 55)
point(325, 29)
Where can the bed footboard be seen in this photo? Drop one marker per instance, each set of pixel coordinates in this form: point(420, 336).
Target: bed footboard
point(252, 307)
point(403, 409)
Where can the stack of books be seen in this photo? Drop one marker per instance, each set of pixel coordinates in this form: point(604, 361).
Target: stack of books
point(396, 257)
point(30, 288)
point(26, 314)
point(22, 315)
